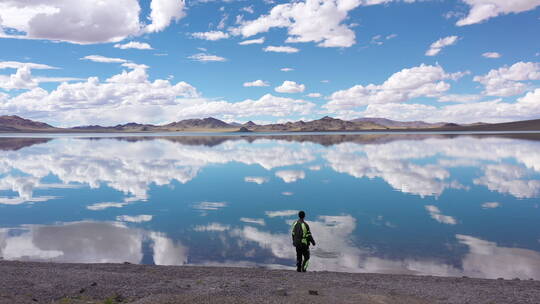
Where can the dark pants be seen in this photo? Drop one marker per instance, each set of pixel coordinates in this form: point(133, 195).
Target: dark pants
point(302, 253)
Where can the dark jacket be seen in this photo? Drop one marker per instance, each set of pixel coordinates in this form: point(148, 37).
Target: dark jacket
point(301, 235)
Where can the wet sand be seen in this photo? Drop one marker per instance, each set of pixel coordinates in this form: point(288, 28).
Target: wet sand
point(32, 282)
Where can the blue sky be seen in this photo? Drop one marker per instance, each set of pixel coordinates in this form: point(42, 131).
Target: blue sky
point(103, 62)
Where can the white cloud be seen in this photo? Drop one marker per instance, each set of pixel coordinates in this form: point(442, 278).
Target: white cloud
point(96, 21)
point(212, 35)
point(253, 221)
point(437, 46)
point(163, 12)
point(134, 45)
point(435, 213)
point(490, 205)
point(281, 49)
point(31, 65)
point(507, 81)
point(491, 55)
point(460, 98)
point(210, 205)
point(248, 9)
point(290, 176)
point(256, 179)
point(316, 21)
point(134, 218)
point(105, 205)
point(103, 59)
point(420, 81)
point(216, 227)
point(88, 242)
point(527, 107)
point(252, 41)
point(482, 10)
point(256, 83)
point(507, 178)
point(286, 69)
point(290, 87)
point(281, 213)
point(22, 79)
point(203, 57)
point(314, 95)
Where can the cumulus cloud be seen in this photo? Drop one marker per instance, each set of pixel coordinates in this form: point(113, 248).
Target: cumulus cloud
point(508, 81)
point(253, 221)
point(134, 218)
point(256, 83)
point(437, 46)
point(134, 45)
point(490, 205)
point(22, 79)
point(216, 227)
point(435, 213)
point(507, 178)
point(259, 180)
point(212, 35)
point(420, 81)
point(286, 69)
point(85, 21)
point(491, 55)
point(314, 95)
point(526, 107)
point(252, 41)
point(291, 176)
point(163, 12)
point(203, 57)
point(290, 87)
point(482, 10)
point(316, 21)
point(281, 49)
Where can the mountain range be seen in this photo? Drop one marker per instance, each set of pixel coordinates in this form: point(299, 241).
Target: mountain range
point(15, 123)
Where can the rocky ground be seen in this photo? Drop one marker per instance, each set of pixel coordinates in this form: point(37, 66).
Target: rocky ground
point(28, 282)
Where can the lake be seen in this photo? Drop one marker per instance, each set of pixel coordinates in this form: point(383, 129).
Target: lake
point(427, 204)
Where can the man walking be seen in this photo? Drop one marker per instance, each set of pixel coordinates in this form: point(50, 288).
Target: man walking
point(301, 237)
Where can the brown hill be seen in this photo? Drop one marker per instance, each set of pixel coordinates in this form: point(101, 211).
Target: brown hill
point(524, 125)
point(206, 123)
point(324, 124)
point(15, 123)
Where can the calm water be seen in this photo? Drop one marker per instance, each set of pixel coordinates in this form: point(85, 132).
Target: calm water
point(433, 204)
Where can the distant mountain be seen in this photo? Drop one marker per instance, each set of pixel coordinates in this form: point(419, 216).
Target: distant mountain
point(399, 124)
point(15, 123)
point(324, 124)
point(206, 123)
point(210, 124)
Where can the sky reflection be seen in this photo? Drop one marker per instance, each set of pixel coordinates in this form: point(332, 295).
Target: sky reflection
point(438, 205)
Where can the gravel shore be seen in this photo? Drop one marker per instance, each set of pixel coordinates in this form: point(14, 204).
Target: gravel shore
point(31, 282)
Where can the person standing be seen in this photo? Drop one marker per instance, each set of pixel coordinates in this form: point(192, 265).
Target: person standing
point(302, 238)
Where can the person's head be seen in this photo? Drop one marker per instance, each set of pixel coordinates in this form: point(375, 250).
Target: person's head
point(301, 214)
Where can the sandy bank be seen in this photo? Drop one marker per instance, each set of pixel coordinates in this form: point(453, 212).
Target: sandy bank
point(28, 282)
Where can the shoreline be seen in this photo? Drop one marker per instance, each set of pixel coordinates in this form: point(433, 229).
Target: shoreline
point(45, 282)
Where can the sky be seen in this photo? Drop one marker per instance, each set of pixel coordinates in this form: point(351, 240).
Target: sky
point(84, 62)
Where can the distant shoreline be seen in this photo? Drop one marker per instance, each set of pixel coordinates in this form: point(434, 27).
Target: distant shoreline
point(265, 133)
point(29, 282)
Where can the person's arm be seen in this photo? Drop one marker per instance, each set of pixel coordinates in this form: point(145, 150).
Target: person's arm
point(310, 237)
